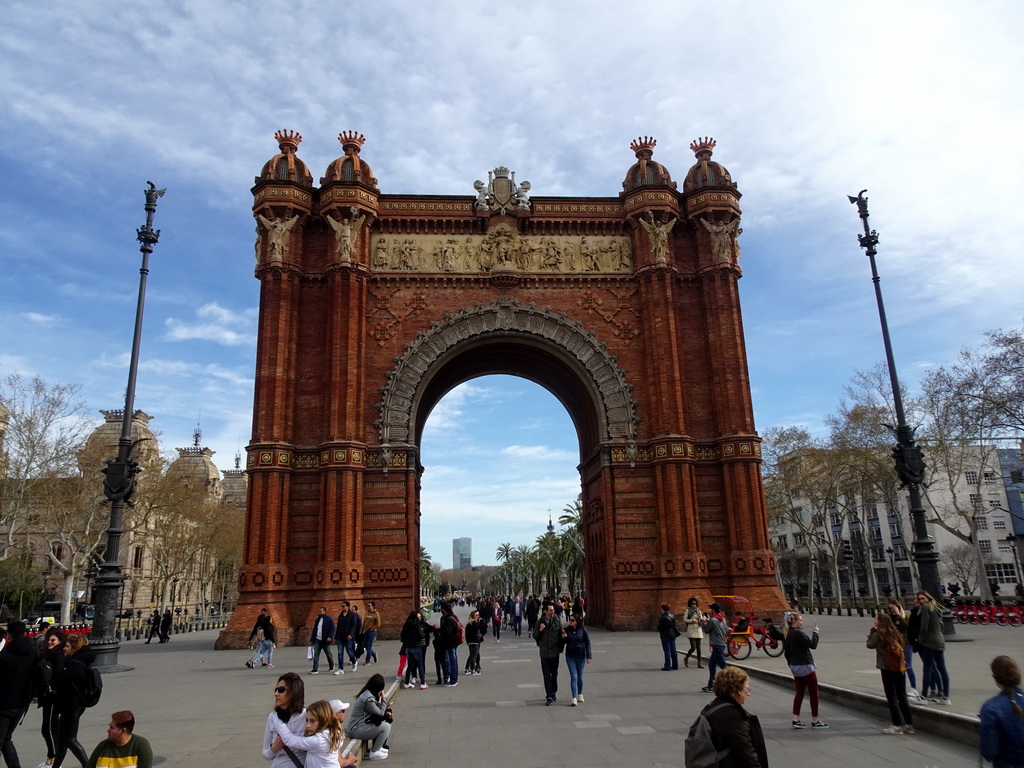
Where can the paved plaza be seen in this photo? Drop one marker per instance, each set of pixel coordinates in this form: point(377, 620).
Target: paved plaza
point(201, 707)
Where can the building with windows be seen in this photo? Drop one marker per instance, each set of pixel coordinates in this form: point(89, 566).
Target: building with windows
point(462, 553)
point(847, 538)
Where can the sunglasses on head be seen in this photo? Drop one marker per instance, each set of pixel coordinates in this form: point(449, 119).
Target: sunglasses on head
point(280, 689)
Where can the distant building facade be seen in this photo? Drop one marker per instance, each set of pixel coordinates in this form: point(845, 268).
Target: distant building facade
point(462, 554)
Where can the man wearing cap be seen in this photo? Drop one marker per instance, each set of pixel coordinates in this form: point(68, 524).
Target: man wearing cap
point(339, 708)
point(122, 748)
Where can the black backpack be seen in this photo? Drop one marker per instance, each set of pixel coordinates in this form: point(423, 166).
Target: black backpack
point(699, 747)
point(42, 677)
point(92, 687)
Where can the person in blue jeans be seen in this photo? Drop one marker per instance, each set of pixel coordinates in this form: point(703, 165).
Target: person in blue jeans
point(577, 655)
point(668, 632)
point(932, 648)
point(715, 629)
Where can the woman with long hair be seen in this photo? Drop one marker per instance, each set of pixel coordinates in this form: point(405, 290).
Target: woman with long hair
point(692, 619)
point(290, 709)
point(322, 737)
point(476, 631)
point(1002, 717)
point(56, 640)
point(370, 718)
point(577, 655)
point(798, 646)
point(933, 648)
point(415, 633)
point(68, 703)
point(887, 642)
point(902, 621)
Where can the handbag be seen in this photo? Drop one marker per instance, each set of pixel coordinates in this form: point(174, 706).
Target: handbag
point(309, 652)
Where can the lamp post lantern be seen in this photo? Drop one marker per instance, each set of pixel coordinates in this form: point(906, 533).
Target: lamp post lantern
point(907, 455)
point(119, 480)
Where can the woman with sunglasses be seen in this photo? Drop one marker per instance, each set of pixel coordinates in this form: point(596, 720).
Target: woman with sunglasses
point(289, 708)
point(577, 655)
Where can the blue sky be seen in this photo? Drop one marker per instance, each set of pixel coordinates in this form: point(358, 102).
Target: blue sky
point(917, 101)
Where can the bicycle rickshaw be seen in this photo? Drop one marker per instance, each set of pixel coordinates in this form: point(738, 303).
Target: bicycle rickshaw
point(739, 615)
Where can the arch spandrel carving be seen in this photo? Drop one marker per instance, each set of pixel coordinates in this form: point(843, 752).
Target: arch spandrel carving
point(617, 412)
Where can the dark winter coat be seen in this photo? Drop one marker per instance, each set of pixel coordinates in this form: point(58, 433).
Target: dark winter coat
point(735, 729)
point(18, 660)
point(68, 685)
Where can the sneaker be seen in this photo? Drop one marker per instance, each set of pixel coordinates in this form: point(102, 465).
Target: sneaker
point(314, 671)
point(399, 677)
point(580, 698)
point(408, 685)
point(547, 702)
point(705, 689)
point(572, 703)
point(913, 694)
point(270, 666)
point(908, 729)
point(798, 724)
point(380, 754)
point(355, 665)
point(819, 724)
point(249, 665)
point(945, 700)
point(453, 684)
point(893, 730)
point(423, 687)
point(339, 671)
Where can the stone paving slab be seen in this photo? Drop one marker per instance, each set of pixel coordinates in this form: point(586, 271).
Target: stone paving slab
point(202, 707)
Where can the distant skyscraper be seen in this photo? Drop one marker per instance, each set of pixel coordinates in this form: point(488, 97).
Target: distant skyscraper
point(462, 553)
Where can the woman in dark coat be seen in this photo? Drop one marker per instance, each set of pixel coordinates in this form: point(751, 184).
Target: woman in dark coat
point(54, 655)
point(732, 727)
point(68, 687)
point(415, 634)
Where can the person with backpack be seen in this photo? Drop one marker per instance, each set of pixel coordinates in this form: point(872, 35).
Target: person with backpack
point(887, 642)
point(18, 663)
point(53, 662)
point(726, 734)
point(73, 688)
point(450, 636)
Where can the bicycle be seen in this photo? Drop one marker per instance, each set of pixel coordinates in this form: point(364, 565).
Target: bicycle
point(767, 637)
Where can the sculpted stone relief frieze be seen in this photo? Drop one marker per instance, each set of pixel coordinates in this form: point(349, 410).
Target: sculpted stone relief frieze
point(502, 248)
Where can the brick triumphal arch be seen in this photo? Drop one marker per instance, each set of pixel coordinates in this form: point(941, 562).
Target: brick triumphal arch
point(374, 305)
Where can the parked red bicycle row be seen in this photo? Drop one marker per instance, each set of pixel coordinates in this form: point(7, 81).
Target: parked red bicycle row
point(987, 612)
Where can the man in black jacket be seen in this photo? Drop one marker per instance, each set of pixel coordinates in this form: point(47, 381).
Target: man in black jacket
point(18, 661)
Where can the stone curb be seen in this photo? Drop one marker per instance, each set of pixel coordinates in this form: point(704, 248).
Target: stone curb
point(949, 725)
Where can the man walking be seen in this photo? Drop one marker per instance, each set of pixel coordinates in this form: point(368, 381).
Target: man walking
point(17, 662)
point(549, 640)
point(349, 625)
point(449, 642)
point(122, 747)
point(321, 639)
point(517, 617)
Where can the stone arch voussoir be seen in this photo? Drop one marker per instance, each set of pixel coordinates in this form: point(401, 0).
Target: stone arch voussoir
point(606, 379)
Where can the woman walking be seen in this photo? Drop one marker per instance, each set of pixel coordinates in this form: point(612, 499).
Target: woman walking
point(265, 647)
point(56, 640)
point(1002, 717)
point(415, 634)
point(370, 718)
point(933, 648)
point(371, 623)
point(290, 709)
point(798, 647)
point(668, 632)
point(692, 620)
point(476, 631)
point(577, 655)
point(68, 701)
point(887, 643)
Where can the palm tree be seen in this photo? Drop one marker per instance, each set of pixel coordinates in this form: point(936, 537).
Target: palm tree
point(504, 552)
point(572, 536)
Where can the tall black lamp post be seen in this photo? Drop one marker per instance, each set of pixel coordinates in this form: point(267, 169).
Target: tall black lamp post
point(119, 483)
point(906, 453)
point(892, 566)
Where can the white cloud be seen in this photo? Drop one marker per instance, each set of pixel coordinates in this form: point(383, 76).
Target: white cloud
point(217, 324)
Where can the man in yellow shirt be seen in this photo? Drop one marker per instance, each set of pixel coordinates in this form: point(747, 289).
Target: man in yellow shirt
point(122, 748)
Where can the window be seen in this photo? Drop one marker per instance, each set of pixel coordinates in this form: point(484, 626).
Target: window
point(980, 523)
point(798, 514)
point(137, 557)
point(894, 530)
point(1004, 573)
point(877, 554)
point(798, 539)
point(837, 536)
point(994, 504)
point(976, 500)
point(971, 478)
point(1005, 549)
point(998, 523)
point(837, 521)
point(900, 553)
point(990, 478)
point(985, 545)
point(872, 510)
point(783, 542)
point(876, 533)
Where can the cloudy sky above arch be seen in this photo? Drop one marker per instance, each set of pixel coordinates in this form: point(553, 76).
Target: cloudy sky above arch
point(915, 101)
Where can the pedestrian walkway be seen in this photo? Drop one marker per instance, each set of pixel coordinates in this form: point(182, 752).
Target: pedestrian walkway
point(201, 707)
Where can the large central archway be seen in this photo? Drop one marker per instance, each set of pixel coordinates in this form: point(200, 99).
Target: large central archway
point(626, 308)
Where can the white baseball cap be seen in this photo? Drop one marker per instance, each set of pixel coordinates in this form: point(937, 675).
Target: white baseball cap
point(337, 705)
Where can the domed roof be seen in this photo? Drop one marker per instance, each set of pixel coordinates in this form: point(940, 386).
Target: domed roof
point(102, 443)
point(285, 165)
point(194, 467)
point(645, 171)
point(706, 172)
point(350, 167)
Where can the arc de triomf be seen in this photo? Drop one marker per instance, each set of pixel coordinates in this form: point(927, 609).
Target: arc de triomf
point(373, 306)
